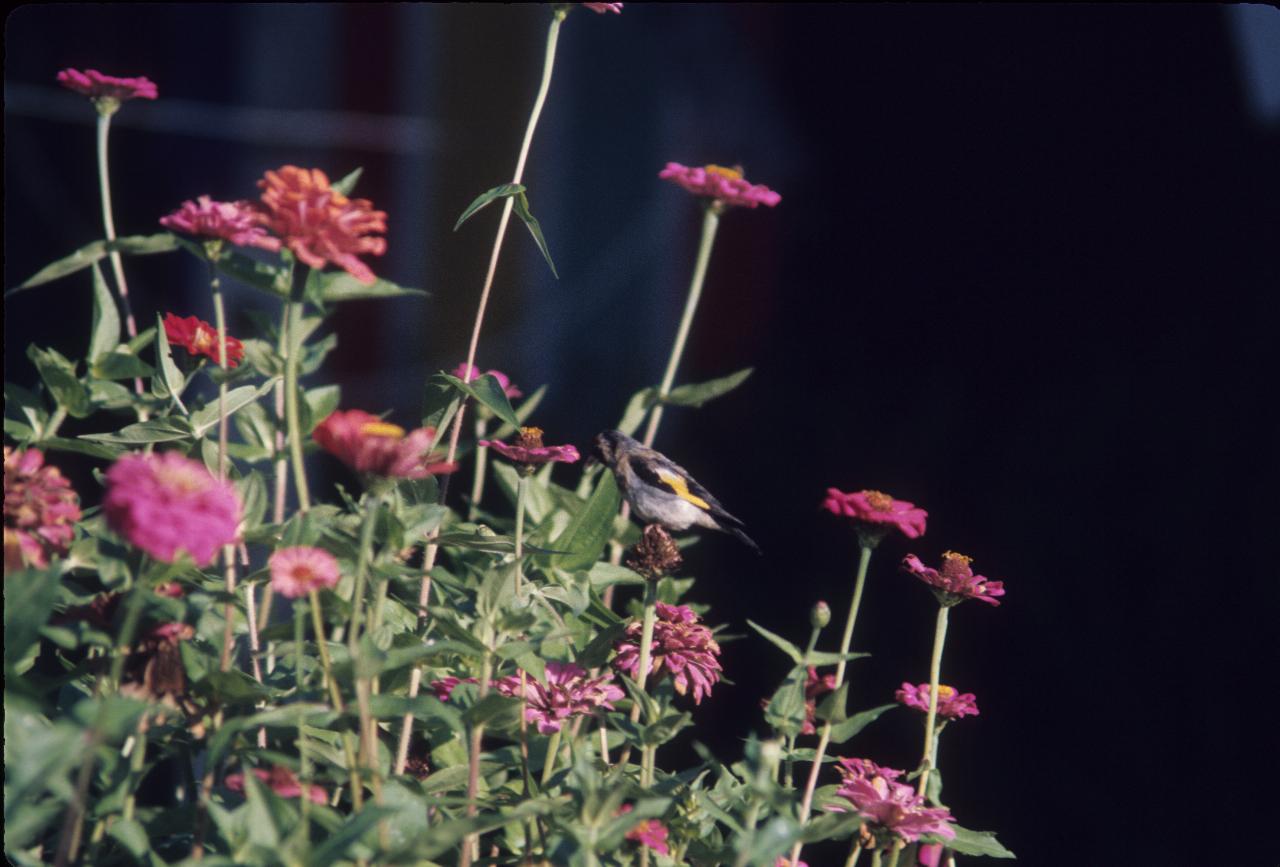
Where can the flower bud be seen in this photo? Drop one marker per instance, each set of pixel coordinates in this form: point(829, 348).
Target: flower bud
point(820, 616)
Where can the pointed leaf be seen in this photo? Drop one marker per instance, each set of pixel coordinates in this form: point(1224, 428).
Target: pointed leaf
point(347, 183)
point(841, 732)
point(171, 382)
point(120, 364)
point(696, 395)
point(59, 376)
point(499, 192)
point(156, 430)
point(106, 318)
point(487, 391)
point(522, 211)
point(335, 286)
point(786, 646)
point(969, 842)
point(590, 529)
point(206, 418)
point(90, 253)
point(786, 710)
point(636, 409)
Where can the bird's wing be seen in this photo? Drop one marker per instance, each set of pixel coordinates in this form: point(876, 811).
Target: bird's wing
point(663, 474)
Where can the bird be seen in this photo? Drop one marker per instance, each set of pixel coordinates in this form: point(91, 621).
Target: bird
point(661, 491)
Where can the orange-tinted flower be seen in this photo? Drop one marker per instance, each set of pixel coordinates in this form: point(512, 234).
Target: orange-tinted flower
point(40, 509)
point(370, 445)
point(320, 224)
point(200, 338)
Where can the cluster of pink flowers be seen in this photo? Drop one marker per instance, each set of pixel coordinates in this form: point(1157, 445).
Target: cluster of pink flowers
point(955, 581)
point(527, 449)
point(890, 806)
point(301, 569)
point(200, 338)
point(682, 648)
point(647, 832)
point(370, 445)
point(568, 692)
point(724, 185)
point(238, 222)
point(951, 704)
point(40, 510)
point(876, 512)
point(166, 504)
point(280, 780)
point(467, 373)
point(95, 85)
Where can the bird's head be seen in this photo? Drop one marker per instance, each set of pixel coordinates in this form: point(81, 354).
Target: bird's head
point(609, 444)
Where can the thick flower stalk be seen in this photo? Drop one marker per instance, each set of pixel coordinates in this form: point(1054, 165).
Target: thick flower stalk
point(40, 510)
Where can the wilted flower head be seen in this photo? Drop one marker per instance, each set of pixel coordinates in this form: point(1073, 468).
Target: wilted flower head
point(237, 222)
point(656, 554)
point(200, 338)
point(298, 570)
point(320, 224)
point(154, 672)
point(99, 87)
point(527, 449)
point(280, 780)
point(876, 513)
point(568, 692)
point(40, 510)
point(647, 832)
point(955, 581)
point(370, 445)
point(682, 648)
point(951, 704)
point(166, 504)
point(891, 807)
point(601, 8)
point(470, 373)
point(722, 184)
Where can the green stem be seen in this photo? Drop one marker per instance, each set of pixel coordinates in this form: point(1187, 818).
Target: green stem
point(317, 623)
point(280, 460)
point(55, 421)
point(362, 570)
point(522, 486)
point(472, 841)
point(553, 752)
point(304, 757)
point(855, 851)
point(477, 481)
point(292, 417)
point(137, 763)
point(893, 855)
point(749, 826)
point(875, 858)
point(109, 227)
point(642, 667)
point(930, 720)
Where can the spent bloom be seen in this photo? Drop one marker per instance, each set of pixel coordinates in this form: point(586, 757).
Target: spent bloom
point(200, 338)
point(97, 86)
point(237, 222)
point(469, 373)
point(890, 806)
point(724, 185)
point(655, 555)
point(682, 648)
point(282, 781)
point(951, 704)
point(647, 832)
point(320, 224)
point(600, 9)
point(370, 445)
point(527, 449)
point(568, 692)
point(955, 581)
point(875, 513)
point(166, 504)
point(40, 509)
point(297, 571)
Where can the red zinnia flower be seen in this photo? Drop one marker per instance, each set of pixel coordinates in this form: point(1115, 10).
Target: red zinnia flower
point(682, 647)
point(40, 510)
point(955, 581)
point(951, 704)
point(200, 338)
point(370, 445)
point(282, 781)
point(95, 85)
point(237, 222)
point(320, 224)
point(877, 512)
point(726, 186)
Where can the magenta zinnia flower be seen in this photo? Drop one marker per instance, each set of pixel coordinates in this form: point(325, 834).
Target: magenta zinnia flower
point(890, 806)
point(40, 510)
point(647, 832)
point(951, 704)
point(282, 781)
point(955, 581)
point(166, 504)
point(568, 692)
point(467, 374)
point(370, 445)
point(529, 450)
point(444, 688)
point(783, 861)
point(600, 9)
point(237, 222)
point(682, 648)
point(297, 571)
point(200, 338)
point(95, 85)
point(722, 184)
point(877, 512)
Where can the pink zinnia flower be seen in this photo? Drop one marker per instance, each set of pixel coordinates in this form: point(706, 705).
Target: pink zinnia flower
point(166, 504)
point(297, 571)
point(955, 581)
point(951, 704)
point(725, 185)
point(929, 854)
point(568, 692)
point(529, 450)
point(877, 512)
point(891, 806)
point(682, 648)
point(40, 510)
point(467, 374)
point(783, 861)
point(95, 85)
point(320, 224)
point(282, 781)
point(200, 338)
point(648, 832)
point(444, 688)
point(370, 445)
point(601, 8)
point(237, 222)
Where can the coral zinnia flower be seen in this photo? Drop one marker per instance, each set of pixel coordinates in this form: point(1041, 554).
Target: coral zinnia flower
point(370, 445)
point(568, 692)
point(200, 338)
point(95, 85)
point(320, 224)
point(955, 581)
point(40, 510)
point(726, 186)
point(891, 806)
point(877, 512)
point(682, 647)
point(467, 374)
point(600, 9)
point(237, 222)
point(297, 571)
point(529, 450)
point(166, 504)
point(282, 781)
point(648, 832)
point(951, 704)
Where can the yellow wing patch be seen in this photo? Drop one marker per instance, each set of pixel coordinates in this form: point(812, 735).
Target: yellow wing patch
point(681, 489)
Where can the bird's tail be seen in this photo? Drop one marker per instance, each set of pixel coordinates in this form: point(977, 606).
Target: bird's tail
point(742, 537)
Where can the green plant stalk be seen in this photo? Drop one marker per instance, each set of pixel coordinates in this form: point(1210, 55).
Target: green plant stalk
point(522, 485)
point(432, 550)
point(749, 825)
point(875, 858)
point(279, 458)
point(824, 739)
point(931, 719)
point(228, 551)
point(50, 428)
point(304, 757)
point(642, 665)
point(477, 480)
point(472, 842)
point(855, 851)
point(370, 523)
point(293, 419)
point(553, 753)
point(109, 228)
point(894, 853)
point(137, 763)
point(317, 623)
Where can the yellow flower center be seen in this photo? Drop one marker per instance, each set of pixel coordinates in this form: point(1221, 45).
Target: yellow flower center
point(945, 692)
point(529, 438)
point(204, 339)
point(958, 559)
point(880, 502)
point(382, 429)
point(734, 174)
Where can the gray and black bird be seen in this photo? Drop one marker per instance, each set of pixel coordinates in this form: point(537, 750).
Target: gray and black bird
point(661, 491)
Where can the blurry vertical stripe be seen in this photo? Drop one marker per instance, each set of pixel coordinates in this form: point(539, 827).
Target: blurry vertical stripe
point(1257, 35)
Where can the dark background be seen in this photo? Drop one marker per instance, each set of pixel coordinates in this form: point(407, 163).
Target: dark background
point(1024, 274)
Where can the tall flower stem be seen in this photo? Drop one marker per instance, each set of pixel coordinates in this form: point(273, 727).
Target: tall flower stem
point(931, 719)
point(429, 559)
point(304, 757)
point(280, 458)
point(109, 227)
point(372, 505)
point(855, 851)
point(317, 624)
point(293, 421)
point(228, 551)
point(472, 841)
point(482, 461)
point(824, 739)
point(553, 752)
point(521, 487)
point(642, 670)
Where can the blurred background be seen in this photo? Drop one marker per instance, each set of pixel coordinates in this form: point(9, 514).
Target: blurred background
point(1024, 274)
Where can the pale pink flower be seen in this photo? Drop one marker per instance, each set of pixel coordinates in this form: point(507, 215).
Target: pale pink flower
point(165, 504)
point(722, 184)
point(951, 704)
point(237, 222)
point(297, 571)
point(875, 511)
point(568, 692)
point(370, 445)
point(280, 780)
point(40, 510)
point(955, 581)
point(682, 648)
point(528, 449)
point(647, 832)
point(601, 8)
point(890, 806)
point(468, 374)
point(95, 85)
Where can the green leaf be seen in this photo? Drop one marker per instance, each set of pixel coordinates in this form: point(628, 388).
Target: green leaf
point(841, 732)
point(826, 657)
point(636, 409)
point(969, 842)
point(172, 382)
point(105, 452)
point(831, 826)
point(269, 277)
point(786, 711)
point(495, 709)
point(156, 430)
point(87, 255)
point(335, 286)
point(499, 192)
point(786, 646)
point(120, 364)
point(339, 842)
point(487, 391)
point(832, 708)
point(590, 529)
point(347, 183)
point(206, 418)
point(130, 834)
point(59, 376)
point(522, 211)
point(106, 319)
point(523, 411)
point(440, 402)
point(321, 402)
point(696, 395)
point(29, 596)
